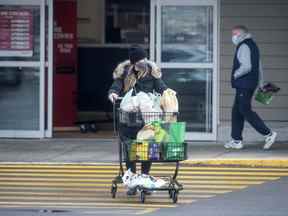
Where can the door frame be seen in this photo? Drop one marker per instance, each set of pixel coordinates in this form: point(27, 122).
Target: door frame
point(155, 55)
point(42, 64)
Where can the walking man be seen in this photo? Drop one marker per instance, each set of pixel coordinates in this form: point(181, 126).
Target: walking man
point(247, 74)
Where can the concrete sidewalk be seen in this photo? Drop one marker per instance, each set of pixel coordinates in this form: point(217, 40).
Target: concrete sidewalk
point(93, 148)
point(61, 150)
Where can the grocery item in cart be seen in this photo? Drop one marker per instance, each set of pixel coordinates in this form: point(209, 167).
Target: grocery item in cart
point(146, 133)
point(169, 103)
point(139, 150)
point(154, 151)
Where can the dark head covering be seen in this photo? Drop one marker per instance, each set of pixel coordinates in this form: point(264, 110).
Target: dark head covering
point(136, 53)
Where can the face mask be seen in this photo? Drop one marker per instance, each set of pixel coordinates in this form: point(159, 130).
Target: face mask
point(235, 39)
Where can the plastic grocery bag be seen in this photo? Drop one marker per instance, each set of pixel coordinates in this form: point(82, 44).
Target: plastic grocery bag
point(156, 100)
point(129, 102)
point(148, 106)
point(133, 180)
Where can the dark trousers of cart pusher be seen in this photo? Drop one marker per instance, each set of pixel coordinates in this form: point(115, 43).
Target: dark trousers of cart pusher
point(130, 133)
point(242, 111)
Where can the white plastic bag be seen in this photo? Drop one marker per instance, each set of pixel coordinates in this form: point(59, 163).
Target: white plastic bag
point(149, 105)
point(129, 103)
point(132, 180)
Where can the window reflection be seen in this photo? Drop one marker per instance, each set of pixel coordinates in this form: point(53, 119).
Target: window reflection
point(19, 98)
point(194, 90)
point(187, 34)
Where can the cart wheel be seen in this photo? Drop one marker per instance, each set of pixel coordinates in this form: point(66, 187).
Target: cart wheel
point(113, 190)
point(142, 196)
point(174, 196)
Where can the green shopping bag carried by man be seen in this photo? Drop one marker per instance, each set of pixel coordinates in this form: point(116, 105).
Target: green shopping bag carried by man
point(265, 94)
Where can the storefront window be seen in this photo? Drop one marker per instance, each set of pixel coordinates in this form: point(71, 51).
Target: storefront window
point(187, 34)
point(194, 89)
point(127, 21)
point(19, 98)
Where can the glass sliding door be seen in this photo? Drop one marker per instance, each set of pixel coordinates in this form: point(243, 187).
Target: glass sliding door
point(22, 68)
point(184, 44)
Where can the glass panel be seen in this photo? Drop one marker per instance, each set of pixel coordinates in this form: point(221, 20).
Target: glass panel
point(194, 89)
point(19, 98)
point(187, 34)
point(127, 21)
point(20, 33)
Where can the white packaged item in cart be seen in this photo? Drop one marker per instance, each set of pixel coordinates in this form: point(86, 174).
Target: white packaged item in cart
point(133, 180)
point(169, 101)
point(129, 102)
point(146, 133)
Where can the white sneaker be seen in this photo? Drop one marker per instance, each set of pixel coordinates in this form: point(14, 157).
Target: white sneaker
point(269, 140)
point(234, 144)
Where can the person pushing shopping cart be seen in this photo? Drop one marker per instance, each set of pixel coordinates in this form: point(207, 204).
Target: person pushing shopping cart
point(139, 77)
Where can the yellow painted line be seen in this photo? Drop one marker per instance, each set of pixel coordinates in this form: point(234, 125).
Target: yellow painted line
point(264, 178)
point(90, 204)
point(111, 177)
point(146, 211)
point(83, 180)
point(124, 211)
point(162, 195)
point(252, 162)
point(155, 173)
point(104, 190)
point(279, 162)
point(74, 207)
point(69, 184)
point(116, 168)
point(149, 199)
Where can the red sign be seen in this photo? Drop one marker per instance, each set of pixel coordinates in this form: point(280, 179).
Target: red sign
point(65, 62)
point(65, 30)
point(16, 33)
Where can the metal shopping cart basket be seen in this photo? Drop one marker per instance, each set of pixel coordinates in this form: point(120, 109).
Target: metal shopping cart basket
point(131, 150)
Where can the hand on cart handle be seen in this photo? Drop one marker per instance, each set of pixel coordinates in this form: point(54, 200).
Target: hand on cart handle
point(113, 97)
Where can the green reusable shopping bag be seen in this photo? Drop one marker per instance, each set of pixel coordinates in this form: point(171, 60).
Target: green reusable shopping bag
point(263, 97)
point(174, 151)
point(177, 132)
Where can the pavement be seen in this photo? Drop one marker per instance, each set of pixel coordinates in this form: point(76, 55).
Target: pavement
point(95, 150)
point(100, 147)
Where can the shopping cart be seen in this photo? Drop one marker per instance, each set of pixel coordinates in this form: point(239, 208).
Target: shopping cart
point(131, 150)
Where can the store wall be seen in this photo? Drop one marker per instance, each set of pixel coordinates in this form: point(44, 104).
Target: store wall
point(90, 19)
point(268, 22)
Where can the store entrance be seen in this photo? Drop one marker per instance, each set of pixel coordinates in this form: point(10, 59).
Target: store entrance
point(106, 30)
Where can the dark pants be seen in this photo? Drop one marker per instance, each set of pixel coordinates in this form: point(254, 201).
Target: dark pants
point(130, 133)
point(242, 111)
